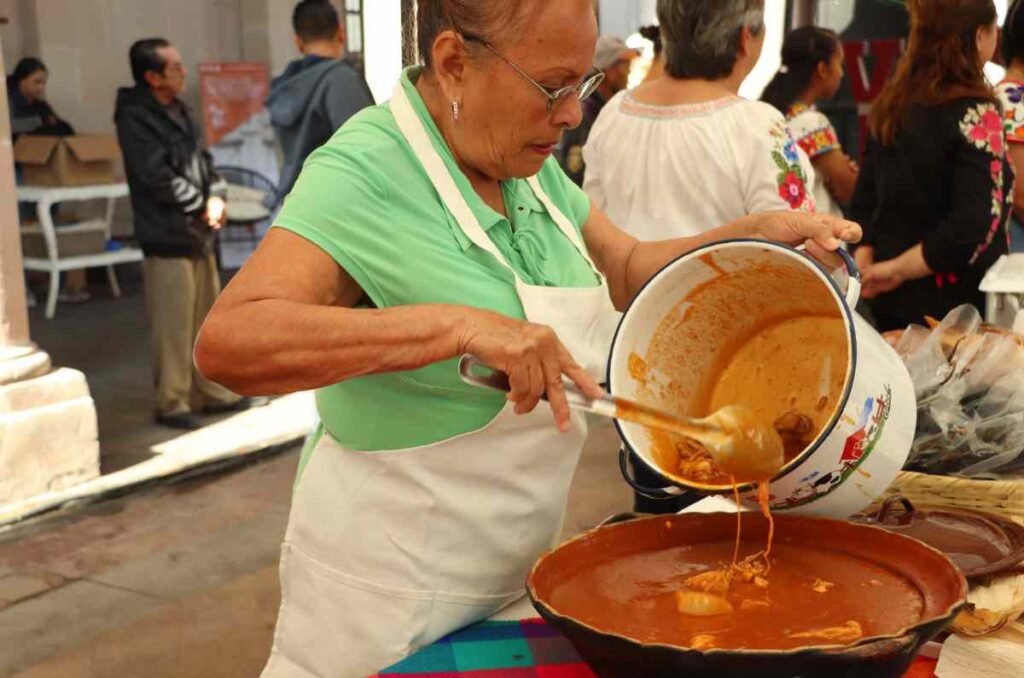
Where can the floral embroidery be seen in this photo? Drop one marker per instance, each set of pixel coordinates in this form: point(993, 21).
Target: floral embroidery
point(812, 130)
point(793, 190)
point(982, 126)
point(820, 142)
point(792, 180)
point(1012, 96)
point(798, 108)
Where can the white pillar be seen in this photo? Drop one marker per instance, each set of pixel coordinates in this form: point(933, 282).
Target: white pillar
point(14, 343)
point(48, 433)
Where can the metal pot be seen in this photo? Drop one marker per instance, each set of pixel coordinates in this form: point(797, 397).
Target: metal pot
point(856, 456)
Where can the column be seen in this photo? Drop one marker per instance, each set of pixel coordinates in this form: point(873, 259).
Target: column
point(48, 434)
point(803, 13)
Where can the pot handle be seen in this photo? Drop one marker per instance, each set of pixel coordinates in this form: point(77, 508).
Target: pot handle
point(853, 285)
point(853, 282)
point(888, 506)
point(649, 492)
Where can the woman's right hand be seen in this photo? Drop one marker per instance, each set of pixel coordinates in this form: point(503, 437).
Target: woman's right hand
point(532, 356)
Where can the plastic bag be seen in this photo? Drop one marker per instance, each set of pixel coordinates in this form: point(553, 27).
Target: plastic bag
point(969, 381)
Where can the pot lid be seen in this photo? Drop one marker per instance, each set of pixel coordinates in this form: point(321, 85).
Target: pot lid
point(980, 544)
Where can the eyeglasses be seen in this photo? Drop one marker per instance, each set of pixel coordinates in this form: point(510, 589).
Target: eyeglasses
point(555, 97)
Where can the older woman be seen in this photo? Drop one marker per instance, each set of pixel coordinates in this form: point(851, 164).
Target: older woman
point(683, 153)
point(443, 215)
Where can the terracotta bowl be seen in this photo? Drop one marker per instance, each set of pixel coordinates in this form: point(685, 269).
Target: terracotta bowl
point(942, 587)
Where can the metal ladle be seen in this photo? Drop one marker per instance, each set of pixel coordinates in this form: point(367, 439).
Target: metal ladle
point(741, 445)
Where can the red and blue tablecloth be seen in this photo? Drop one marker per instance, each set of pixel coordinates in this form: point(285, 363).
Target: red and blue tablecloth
point(519, 649)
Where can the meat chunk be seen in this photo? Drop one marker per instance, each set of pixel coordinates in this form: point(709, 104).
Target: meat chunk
point(821, 586)
point(847, 633)
point(712, 581)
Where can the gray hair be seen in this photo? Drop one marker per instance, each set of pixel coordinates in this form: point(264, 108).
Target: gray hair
point(702, 37)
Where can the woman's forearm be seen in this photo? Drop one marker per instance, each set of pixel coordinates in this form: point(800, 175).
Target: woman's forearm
point(299, 346)
point(911, 265)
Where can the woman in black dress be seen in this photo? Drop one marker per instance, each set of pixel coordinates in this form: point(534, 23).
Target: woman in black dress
point(936, 188)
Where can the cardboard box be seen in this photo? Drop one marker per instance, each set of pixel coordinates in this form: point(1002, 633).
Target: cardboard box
point(88, 237)
point(68, 161)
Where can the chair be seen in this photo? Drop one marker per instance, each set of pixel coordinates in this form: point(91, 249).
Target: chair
point(252, 202)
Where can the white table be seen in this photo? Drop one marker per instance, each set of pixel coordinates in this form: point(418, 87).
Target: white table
point(45, 197)
point(1004, 292)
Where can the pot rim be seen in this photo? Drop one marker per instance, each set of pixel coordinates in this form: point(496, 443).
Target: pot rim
point(906, 632)
point(851, 369)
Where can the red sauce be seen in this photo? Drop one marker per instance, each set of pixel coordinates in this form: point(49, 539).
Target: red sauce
point(811, 588)
point(637, 368)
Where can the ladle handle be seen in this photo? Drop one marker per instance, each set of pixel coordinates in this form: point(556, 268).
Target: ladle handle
point(477, 373)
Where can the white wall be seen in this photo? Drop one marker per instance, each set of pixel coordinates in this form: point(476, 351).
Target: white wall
point(382, 37)
point(624, 17)
point(10, 32)
point(280, 36)
point(994, 72)
point(771, 57)
point(84, 43)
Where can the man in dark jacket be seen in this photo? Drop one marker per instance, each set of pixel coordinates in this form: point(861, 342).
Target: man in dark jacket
point(317, 93)
point(178, 201)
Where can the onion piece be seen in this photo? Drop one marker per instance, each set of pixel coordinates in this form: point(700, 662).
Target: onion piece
point(700, 604)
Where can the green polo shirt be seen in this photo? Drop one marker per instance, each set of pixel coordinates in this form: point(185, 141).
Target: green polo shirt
point(364, 199)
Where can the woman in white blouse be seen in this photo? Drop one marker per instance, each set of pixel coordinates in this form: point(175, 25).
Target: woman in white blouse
point(684, 152)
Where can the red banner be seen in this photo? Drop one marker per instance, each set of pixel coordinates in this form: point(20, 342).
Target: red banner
point(231, 93)
point(868, 85)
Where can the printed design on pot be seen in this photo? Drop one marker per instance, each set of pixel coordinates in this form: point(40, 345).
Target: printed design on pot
point(856, 450)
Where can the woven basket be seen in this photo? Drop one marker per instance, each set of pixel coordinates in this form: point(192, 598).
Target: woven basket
point(1003, 497)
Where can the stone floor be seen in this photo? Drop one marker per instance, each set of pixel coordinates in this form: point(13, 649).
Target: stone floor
point(181, 579)
point(108, 340)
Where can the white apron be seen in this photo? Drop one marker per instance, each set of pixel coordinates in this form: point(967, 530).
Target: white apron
point(389, 551)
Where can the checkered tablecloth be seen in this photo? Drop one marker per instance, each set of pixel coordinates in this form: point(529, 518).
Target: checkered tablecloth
point(518, 649)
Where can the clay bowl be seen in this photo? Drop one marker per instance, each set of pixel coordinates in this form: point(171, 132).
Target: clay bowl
point(981, 544)
point(941, 586)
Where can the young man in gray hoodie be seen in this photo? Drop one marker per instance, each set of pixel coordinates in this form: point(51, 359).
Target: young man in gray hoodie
point(317, 93)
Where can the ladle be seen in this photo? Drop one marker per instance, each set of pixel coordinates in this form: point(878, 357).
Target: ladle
point(741, 445)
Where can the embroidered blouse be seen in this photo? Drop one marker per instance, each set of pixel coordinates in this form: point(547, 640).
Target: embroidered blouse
point(1011, 96)
point(669, 171)
point(946, 183)
point(814, 133)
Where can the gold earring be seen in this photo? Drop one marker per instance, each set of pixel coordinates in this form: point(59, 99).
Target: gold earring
point(455, 110)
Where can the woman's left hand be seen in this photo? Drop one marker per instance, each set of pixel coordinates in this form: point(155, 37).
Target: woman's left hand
point(881, 278)
point(797, 228)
